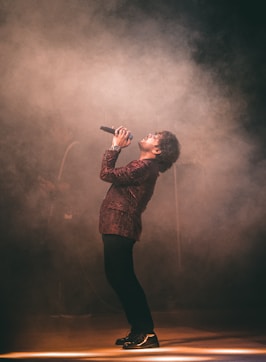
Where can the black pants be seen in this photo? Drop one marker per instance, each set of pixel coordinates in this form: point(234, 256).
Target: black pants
point(119, 269)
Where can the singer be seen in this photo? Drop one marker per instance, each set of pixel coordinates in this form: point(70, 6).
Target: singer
point(131, 189)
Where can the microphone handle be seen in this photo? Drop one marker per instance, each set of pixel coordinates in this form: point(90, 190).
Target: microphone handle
point(112, 130)
point(108, 129)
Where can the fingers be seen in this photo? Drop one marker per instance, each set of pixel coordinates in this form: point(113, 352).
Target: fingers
point(122, 132)
point(121, 137)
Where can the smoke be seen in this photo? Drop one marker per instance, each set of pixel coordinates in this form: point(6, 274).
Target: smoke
point(87, 64)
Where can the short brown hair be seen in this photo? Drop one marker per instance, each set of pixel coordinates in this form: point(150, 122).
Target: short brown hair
point(170, 150)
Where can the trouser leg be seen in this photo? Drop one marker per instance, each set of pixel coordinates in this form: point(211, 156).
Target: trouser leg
point(119, 269)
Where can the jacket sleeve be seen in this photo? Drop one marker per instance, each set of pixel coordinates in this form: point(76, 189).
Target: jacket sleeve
point(132, 174)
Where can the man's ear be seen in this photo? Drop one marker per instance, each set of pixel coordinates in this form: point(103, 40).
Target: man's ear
point(156, 151)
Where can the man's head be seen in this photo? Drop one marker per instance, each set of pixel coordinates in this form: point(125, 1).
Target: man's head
point(169, 150)
point(163, 146)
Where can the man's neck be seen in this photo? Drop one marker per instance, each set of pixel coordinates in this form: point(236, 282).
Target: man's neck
point(147, 155)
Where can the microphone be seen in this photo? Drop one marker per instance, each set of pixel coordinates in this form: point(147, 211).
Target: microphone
point(112, 130)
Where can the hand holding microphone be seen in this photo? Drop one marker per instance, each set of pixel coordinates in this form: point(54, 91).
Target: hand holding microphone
point(122, 137)
point(112, 130)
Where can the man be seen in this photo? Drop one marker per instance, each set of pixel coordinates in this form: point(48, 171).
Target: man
point(120, 224)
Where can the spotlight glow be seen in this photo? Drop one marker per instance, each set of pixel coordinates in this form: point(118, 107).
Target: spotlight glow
point(163, 354)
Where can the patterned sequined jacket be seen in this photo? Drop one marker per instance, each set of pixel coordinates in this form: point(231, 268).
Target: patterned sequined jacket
point(131, 189)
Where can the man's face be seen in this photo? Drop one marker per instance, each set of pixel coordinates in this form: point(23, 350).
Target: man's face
point(150, 143)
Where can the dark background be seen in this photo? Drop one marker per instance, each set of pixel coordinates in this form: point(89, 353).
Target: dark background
point(204, 250)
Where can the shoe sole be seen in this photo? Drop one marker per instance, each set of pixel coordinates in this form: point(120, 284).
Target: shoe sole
point(141, 347)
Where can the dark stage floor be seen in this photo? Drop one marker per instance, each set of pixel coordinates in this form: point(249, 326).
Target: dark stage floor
point(184, 336)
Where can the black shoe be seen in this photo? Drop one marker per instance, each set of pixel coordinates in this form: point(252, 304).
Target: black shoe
point(142, 341)
point(129, 338)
